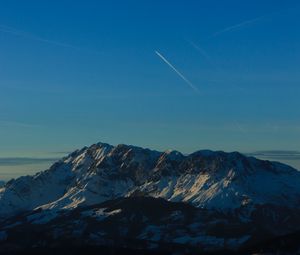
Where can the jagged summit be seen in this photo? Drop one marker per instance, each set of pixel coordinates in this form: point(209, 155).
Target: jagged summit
point(204, 178)
point(102, 194)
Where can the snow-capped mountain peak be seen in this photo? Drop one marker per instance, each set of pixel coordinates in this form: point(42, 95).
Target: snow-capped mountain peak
point(203, 200)
point(205, 179)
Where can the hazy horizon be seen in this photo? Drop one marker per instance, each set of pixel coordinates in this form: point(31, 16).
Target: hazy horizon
point(33, 162)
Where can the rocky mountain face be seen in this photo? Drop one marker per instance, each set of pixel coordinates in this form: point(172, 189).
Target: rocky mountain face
point(130, 197)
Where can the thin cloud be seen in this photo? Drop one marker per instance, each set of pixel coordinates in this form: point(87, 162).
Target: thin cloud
point(191, 85)
point(277, 154)
point(25, 161)
point(17, 124)
point(16, 32)
point(61, 152)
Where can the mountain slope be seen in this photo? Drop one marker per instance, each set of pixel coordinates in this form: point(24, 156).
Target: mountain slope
point(133, 223)
point(136, 198)
point(204, 179)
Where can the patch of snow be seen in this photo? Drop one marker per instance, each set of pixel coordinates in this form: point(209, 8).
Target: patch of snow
point(100, 214)
point(114, 212)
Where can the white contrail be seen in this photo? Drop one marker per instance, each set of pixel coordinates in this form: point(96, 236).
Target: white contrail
point(201, 50)
point(238, 26)
point(176, 71)
point(239, 127)
point(13, 31)
point(248, 22)
point(204, 54)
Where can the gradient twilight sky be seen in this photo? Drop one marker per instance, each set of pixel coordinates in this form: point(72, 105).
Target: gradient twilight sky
point(73, 73)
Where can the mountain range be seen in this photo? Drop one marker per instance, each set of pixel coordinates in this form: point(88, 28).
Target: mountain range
point(128, 199)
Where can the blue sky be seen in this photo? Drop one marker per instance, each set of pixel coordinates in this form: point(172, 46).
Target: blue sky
point(74, 73)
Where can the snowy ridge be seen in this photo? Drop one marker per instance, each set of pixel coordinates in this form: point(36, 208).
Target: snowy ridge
point(102, 172)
